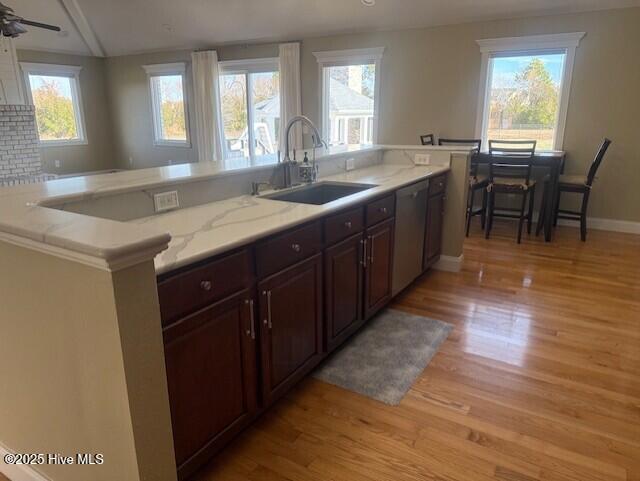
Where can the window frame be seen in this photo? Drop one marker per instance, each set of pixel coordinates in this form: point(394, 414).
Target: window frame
point(247, 67)
point(165, 70)
point(72, 72)
point(342, 58)
point(520, 46)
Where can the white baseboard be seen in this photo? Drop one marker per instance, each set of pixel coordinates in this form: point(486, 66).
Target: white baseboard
point(18, 472)
point(449, 263)
point(612, 225)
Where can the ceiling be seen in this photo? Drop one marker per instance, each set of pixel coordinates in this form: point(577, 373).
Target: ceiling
point(120, 27)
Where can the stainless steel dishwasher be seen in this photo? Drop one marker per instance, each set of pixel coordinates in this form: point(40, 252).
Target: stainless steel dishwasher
point(411, 218)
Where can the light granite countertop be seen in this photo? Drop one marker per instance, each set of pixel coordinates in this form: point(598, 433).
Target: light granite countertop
point(27, 217)
point(206, 230)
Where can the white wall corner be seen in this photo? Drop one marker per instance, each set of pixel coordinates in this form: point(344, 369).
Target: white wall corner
point(449, 263)
point(18, 472)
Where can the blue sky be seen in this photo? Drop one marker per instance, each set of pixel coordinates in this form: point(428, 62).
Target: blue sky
point(62, 84)
point(505, 68)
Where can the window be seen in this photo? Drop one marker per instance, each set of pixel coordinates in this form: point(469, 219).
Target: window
point(250, 104)
point(350, 82)
point(525, 91)
point(54, 90)
point(169, 104)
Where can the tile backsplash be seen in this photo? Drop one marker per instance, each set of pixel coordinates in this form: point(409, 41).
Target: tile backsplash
point(19, 149)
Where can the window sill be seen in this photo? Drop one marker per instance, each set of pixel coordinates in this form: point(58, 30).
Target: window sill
point(168, 143)
point(62, 143)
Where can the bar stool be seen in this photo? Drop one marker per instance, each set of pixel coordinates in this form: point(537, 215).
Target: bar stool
point(476, 181)
point(510, 173)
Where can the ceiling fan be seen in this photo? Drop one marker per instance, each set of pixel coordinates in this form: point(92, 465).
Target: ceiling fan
point(11, 25)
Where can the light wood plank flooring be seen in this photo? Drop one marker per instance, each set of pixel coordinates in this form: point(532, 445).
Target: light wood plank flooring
point(539, 381)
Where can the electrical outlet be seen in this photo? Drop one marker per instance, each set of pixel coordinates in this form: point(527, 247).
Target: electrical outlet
point(422, 159)
point(57, 164)
point(166, 201)
point(350, 164)
point(130, 161)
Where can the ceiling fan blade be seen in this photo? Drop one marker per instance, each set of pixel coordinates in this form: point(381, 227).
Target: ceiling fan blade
point(39, 25)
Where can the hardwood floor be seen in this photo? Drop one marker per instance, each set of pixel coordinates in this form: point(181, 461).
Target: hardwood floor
point(540, 379)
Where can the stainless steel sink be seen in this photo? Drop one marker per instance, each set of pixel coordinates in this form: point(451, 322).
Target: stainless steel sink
point(320, 193)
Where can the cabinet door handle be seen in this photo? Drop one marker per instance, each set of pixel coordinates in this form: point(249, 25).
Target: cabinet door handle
point(348, 224)
point(267, 321)
point(251, 332)
point(371, 248)
point(205, 285)
point(364, 253)
point(383, 210)
point(296, 247)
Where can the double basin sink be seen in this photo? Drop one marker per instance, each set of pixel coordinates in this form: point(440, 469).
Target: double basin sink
point(320, 193)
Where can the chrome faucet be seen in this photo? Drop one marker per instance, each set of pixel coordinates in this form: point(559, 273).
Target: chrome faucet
point(317, 142)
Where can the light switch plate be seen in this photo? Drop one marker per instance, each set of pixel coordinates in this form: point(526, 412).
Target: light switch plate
point(166, 201)
point(350, 164)
point(422, 159)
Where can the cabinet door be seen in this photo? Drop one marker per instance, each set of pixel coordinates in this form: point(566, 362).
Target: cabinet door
point(379, 255)
point(291, 325)
point(433, 232)
point(211, 373)
point(343, 265)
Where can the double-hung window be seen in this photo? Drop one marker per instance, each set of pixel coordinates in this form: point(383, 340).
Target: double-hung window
point(250, 104)
point(524, 89)
point(169, 104)
point(350, 95)
point(54, 91)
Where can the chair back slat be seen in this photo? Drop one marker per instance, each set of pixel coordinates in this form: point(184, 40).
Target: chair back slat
point(475, 143)
point(427, 139)
point(595, 165)
point(511, 159)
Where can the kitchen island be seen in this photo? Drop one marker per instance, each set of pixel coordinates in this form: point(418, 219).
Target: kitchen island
point(125, 290)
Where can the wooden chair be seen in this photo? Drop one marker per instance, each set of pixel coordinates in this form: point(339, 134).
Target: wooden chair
point(427, 139)
point(510, 173)
point(576, 184)
point(476, 181)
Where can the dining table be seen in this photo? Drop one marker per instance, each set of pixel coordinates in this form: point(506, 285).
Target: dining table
point(551, 160)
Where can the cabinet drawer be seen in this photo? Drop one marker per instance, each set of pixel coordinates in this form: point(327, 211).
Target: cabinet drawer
point(195, 288)
point(341, 226)
point(286, 249)
point(380, 209)
point(437, 184)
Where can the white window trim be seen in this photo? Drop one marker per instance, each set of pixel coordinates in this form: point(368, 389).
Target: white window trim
point(72, 72)
point(535, 44)
point(159, 70)
point(246, 67)
point(336, 58)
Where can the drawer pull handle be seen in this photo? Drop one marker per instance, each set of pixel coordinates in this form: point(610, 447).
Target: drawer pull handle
point(296, 247)
point(371, 253)
point(267, 321)
point(348, 224)
point(252, 327)
point(206, 285)
point(383, 210)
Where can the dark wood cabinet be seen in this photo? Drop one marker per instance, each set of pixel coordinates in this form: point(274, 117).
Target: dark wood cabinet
point(210, 359)
point(290, 326)
point(435, 218)
point(378, 266)
point(343, 279)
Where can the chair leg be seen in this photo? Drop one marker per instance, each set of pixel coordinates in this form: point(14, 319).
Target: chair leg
point(483, 214)
point(523, 205)
point(543, 211)
point(472, 195)
point(532, 196)
point(556, 208)
point(489, 223)
point(583, 216)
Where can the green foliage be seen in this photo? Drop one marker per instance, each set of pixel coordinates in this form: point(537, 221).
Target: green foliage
point(54, 113)
point(173, 120)
point(535, 99)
